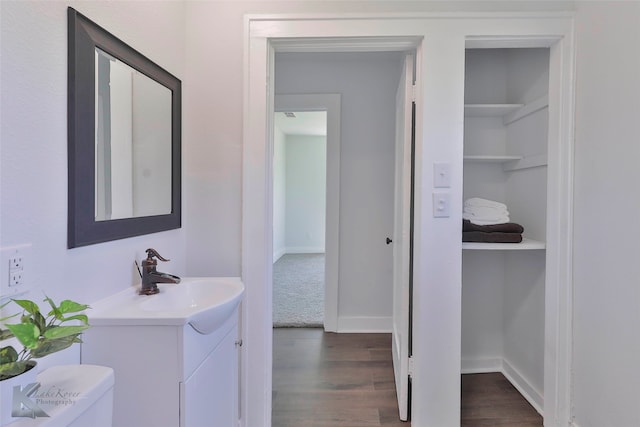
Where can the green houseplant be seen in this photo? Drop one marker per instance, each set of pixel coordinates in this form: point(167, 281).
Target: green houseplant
point(39, 334)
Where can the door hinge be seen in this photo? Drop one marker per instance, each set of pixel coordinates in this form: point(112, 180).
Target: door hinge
point(414, 90)
point(410, 367)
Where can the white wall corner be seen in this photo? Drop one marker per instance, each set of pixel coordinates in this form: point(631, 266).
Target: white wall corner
point(533, 396)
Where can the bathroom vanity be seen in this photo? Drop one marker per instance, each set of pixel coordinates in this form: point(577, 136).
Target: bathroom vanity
point(175, 357)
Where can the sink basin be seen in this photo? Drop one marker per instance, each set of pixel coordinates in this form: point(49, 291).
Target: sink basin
point(202, 302)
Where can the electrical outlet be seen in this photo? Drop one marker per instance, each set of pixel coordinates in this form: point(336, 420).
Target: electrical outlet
point(16, 278)
point(15, 262)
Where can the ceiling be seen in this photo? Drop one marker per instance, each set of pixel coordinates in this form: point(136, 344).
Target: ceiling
point(304, 123)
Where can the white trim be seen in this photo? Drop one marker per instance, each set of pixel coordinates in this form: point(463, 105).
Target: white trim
point(528, 162)
point(278, 254)
point(523, 386)
point(364, 324)
point(437, 286)
point(559, 259)
point(331, 103)
point(303, 250)
point(501, 365)
point(481, 366)
point(526, 110)
point(347, 44)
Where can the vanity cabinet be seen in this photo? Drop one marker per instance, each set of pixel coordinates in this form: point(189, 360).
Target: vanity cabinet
point(209, 396)
point(169, 375)
point(505, 159)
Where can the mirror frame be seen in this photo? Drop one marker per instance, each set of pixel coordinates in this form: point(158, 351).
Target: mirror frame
point(84, 36)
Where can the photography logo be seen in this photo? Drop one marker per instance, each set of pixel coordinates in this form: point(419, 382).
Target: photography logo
point(23, 406)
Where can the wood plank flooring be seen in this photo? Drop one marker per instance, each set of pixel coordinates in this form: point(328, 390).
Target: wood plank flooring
point(346, 380)
point(333, 380)
point(490, 400)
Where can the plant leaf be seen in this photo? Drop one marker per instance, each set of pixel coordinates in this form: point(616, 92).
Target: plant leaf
point(5, 334)
point(48, 346)
point(81, 317)
point(26, 333)
point(55, 311)
point(63, 331)
point(8, 317)
point(8, 370)
point(40, 321)
point(8, 355)
point(29, 306)
point(68, 306)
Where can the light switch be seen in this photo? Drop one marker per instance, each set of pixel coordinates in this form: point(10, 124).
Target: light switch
point(442, 175)
point(441, 204)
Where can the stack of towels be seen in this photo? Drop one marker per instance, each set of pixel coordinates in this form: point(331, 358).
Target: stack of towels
point(488, 221)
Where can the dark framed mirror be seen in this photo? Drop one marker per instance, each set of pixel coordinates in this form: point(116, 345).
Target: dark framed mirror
point(124, 139)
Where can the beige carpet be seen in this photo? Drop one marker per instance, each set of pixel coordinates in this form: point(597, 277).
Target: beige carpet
point(298, 291)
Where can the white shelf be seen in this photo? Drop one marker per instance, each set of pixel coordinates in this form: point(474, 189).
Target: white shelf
point(491, 159)
point(526, 244)
point(490, 110)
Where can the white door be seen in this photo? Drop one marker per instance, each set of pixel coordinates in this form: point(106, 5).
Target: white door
point(402, 235)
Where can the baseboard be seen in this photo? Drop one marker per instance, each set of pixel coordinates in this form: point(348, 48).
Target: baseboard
point(278, 254)
point(303, 250)
point(522, 385)
point(481, 366)
point(295, 250)
point(498, 364)
point(364, 324)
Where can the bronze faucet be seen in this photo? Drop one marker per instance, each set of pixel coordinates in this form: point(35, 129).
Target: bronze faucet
point(151, 277)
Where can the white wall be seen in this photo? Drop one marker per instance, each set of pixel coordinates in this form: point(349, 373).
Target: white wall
point(306, 192)
point(279, 193)
point(367, 83)
point(607, 294)
point(33, 161)
point(299, 193)
point(33, 148)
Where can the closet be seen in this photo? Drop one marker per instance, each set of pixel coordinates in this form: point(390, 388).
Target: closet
point(505, 160)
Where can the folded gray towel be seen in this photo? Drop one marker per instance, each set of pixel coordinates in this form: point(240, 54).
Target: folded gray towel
point(507, 227)
point(494, 237)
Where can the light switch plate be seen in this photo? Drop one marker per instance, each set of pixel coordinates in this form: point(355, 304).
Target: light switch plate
point(442, 175)
point(441, 204)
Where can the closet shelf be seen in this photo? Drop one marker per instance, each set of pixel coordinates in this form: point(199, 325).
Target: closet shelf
point(526, 244)
point(491, 159)
point(490, 110)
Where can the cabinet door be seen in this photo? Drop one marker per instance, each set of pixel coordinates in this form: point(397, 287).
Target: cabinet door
point(209, 397)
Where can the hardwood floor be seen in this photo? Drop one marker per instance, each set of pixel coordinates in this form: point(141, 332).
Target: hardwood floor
point(329, 380)
point(346, 380)
point(489, 400)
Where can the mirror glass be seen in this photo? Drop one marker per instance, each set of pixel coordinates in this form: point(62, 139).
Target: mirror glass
point(124, 139)
point(133, 142)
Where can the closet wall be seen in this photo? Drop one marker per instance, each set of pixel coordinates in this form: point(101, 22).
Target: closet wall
point(505, 147)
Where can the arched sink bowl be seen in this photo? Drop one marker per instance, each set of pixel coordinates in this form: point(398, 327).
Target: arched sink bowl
point(206, 303)
point(202, 302)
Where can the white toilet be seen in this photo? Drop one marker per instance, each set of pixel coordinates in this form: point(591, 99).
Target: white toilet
point(73, 396)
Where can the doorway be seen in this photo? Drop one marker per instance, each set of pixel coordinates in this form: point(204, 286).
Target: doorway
point(437, 292)
point(299, 218)
point(364, 194)
point(360, 198)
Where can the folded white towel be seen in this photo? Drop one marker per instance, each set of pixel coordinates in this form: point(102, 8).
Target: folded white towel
point(486, 221)
point(485, 211)
point(477, 201)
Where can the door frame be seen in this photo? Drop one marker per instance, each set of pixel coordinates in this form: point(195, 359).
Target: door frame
point(329, 102)
point(437, 271)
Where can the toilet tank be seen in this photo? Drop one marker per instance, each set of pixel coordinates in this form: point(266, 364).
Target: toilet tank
point(73, 396)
